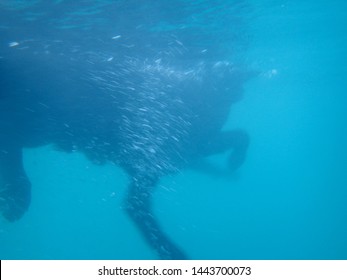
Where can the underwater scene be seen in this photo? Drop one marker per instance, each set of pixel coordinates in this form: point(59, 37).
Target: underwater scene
point(160, 129)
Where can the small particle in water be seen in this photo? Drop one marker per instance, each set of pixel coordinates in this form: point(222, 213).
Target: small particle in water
point(113, 194)
point(116, 37)
point(179, 42)
point(274, 72)
point(271, 73)
point(204, 50)
point(110, 58)
point(13, 44)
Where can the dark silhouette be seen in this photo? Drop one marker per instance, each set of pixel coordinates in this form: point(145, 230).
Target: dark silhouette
point(152, 117)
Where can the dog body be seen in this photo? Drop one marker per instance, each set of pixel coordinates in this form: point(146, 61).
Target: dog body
point(152, 117)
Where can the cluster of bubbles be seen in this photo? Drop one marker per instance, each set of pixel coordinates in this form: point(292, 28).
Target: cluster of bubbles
point(154, 122)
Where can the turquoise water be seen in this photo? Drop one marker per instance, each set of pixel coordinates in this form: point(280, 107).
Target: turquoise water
point(287, 201)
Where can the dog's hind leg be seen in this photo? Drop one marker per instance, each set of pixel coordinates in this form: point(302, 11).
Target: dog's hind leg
point(139, 208)
point(237, 141)
point(15, 187)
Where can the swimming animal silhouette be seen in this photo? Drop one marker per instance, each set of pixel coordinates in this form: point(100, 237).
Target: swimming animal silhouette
point(152, 117)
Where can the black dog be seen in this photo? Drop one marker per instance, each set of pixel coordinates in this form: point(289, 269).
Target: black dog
point(152, 117)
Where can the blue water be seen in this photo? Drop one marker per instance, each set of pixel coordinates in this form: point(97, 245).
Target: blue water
point(287, 201)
